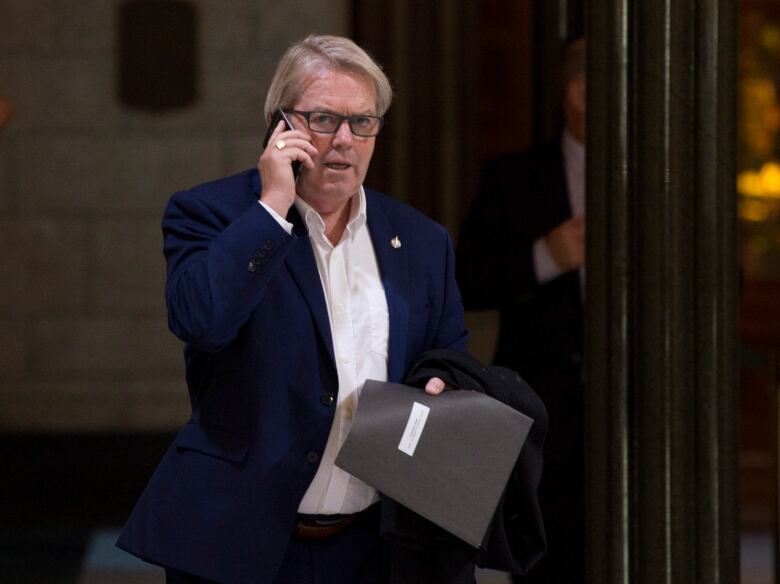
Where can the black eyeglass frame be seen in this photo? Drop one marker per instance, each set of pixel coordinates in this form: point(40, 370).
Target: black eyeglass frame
point(349, 119)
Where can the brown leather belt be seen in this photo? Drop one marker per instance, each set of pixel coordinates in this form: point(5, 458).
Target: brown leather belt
point(324, 526)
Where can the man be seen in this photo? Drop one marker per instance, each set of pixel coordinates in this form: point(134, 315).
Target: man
point(522, 250)
point(289, 295)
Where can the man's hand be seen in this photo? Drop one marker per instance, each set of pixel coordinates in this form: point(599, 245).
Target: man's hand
point(275, 166)
point(434, 386)
point(566, 243)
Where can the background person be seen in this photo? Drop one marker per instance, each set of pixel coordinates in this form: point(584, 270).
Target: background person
point(522, 250)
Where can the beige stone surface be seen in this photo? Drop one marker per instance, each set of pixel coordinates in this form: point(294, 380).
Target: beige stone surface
point(125, 348)
point(61, 92)
point(230, 98)
point(300, 18)
point(14, 347)
point(75, 174)
point(117, 405)
point(226, 31)
point(242, 152)
point(130, 267)
point(83, 26)
point(234, 93)
point(27, 25)
point(42, 265)
point(84, 343)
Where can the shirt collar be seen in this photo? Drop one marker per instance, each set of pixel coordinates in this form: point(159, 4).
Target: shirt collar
point(315, 224)
point(573, 150)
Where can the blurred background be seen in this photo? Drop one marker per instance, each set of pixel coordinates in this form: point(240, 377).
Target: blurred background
point(108, 106)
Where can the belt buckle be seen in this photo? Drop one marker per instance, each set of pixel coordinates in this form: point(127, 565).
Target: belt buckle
point(319, 528)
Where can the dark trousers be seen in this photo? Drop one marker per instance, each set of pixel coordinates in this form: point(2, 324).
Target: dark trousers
point(354, 556)
point(561, 496)
point(409, 566)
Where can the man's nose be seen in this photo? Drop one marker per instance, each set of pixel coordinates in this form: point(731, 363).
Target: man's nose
point(343, 134)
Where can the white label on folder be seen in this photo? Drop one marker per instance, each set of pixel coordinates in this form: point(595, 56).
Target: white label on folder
point(414, 428)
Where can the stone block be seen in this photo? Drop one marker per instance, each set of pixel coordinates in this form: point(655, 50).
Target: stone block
point(223, 30)
point(235, 90)
point(14, 348)
point(231, 94)
point(242, 153)
point(84, 25)
point(27, 24)
point(57, 25)
point(77, 173)
point(43, 266)
point(81, 406)
point(130, 268)
point(133, 348)
point(84, 98)
point(300, 18)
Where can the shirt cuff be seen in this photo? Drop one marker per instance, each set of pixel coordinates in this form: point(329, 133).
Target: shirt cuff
point(544, 265)
point(283, 223)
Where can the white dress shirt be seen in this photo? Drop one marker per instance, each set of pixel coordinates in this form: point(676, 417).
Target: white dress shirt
point(574, 165)
point(357, 309)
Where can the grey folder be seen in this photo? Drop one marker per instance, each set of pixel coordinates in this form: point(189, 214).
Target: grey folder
point(449, 463)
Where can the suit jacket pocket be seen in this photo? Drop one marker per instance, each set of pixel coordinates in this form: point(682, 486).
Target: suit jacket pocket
point(214, 441)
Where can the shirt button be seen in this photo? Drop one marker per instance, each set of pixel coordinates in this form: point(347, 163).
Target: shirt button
point(327, 399)
point(345, 361)
point(312, 457)
point(339, 308)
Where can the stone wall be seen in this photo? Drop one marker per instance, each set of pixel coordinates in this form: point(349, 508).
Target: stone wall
point(83, 180)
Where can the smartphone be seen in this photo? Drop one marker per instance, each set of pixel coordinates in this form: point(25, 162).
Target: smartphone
point(277, 117)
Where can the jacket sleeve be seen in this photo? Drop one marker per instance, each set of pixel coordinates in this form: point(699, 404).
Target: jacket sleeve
point(495, 247)
point(217, 267)
point(451, 332)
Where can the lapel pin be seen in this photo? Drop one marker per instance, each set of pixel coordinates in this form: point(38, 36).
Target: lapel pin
point(395, 242)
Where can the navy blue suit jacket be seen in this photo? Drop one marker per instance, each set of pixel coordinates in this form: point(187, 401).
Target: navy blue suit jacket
point(247, 300)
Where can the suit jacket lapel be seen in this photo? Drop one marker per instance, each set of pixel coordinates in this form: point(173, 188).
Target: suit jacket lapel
point(394, 270)
point(303, 267)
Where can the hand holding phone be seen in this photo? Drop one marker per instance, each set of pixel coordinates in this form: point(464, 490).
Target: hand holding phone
point(278, 116)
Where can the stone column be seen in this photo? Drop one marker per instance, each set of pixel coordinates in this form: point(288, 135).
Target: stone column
point(662, 292)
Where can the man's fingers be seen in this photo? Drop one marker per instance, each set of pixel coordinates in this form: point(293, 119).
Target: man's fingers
point(434, 386)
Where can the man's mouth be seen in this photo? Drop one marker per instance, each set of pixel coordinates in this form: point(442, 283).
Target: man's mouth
point(337, 165)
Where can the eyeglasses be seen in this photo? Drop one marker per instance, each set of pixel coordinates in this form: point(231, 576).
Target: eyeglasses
point(329, 123)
